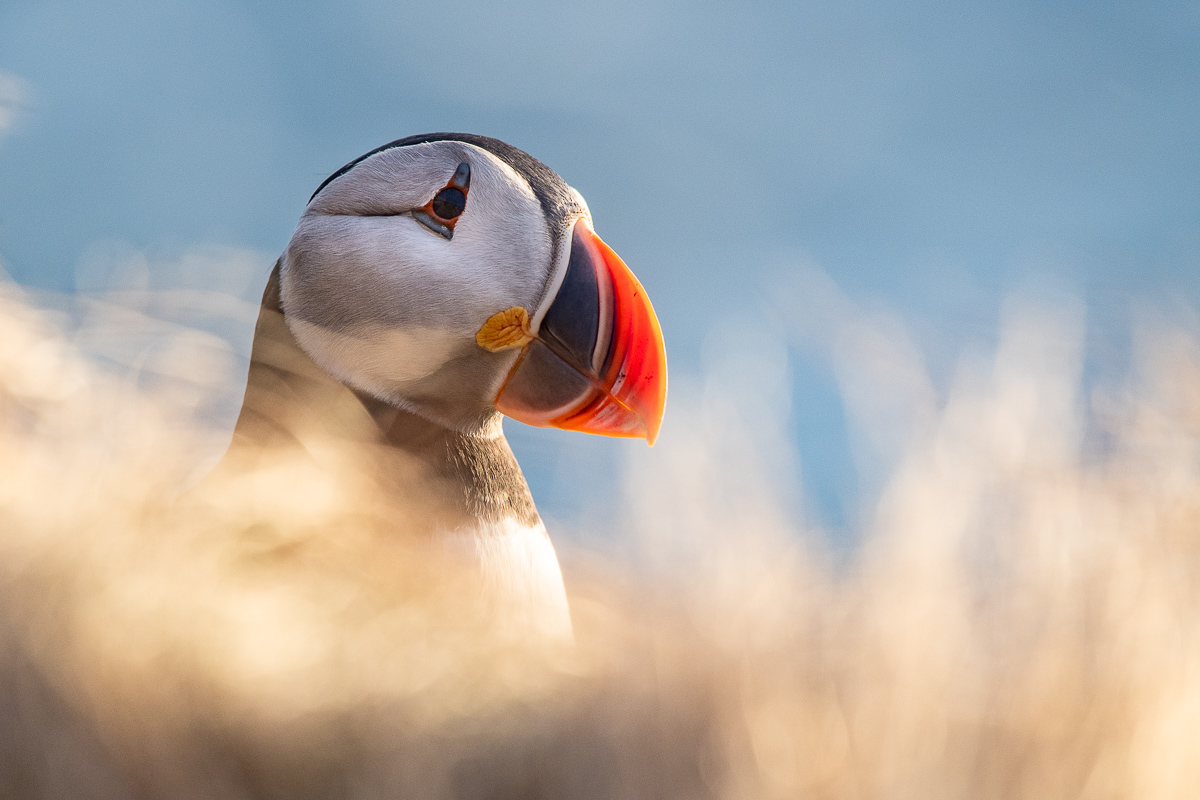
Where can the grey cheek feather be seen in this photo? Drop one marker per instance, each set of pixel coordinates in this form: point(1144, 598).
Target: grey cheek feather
point(345, 271)
point(366, 316)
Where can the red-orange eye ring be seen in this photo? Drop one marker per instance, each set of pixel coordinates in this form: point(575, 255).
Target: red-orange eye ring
point(442, 212)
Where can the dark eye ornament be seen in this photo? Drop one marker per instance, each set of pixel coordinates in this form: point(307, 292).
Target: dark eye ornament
point(442, 212)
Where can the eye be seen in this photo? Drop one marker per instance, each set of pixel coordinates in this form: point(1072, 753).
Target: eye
point(449, 203)
point(442, 212)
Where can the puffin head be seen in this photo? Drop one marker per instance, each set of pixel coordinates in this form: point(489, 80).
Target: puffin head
point(455, 276)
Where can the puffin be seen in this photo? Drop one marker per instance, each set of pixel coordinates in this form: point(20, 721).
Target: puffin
point(433, 286)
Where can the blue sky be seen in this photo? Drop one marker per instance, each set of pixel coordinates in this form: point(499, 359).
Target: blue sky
point(928, 156)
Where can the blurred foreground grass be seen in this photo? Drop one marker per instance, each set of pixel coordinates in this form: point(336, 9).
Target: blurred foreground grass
point(1021, 618)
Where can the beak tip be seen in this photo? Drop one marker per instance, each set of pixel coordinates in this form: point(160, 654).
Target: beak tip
point(652, 431)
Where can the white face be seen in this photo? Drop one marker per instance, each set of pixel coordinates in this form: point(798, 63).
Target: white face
point(390, 307)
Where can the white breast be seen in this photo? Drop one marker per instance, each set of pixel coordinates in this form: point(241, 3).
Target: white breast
point(521, 580)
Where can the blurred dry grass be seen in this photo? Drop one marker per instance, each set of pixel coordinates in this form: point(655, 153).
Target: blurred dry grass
point(1020, 620)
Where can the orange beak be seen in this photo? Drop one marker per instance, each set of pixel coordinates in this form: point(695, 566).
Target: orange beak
point(596, 362)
